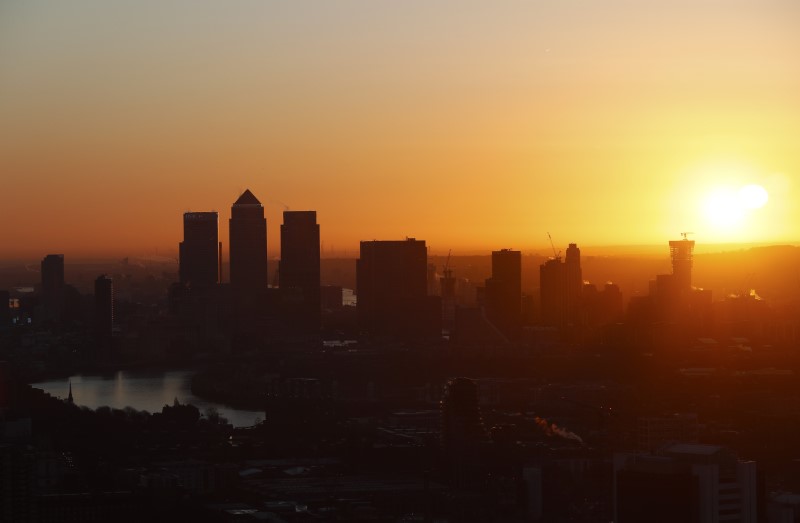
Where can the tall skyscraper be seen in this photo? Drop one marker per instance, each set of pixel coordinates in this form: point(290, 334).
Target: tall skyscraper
point(299, 273)
point(392, 284)
point(560, 288)
point(103, 313)
point(248, 247)
point(53, 287)
point(199, 252)
point(681, 253)
point(504, 292)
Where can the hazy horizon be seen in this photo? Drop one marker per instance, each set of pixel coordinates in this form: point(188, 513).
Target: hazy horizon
point(646, 250)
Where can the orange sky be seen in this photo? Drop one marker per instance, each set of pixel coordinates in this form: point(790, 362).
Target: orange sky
point(472, 126)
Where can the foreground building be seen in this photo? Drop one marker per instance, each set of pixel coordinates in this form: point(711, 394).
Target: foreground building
point(685, 482)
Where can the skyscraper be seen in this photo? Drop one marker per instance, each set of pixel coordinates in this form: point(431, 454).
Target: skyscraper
point(199, 252)
point(391, 285)
point(299, 273)
point(504, 292)
point(53, 286)
point(103, 313)
point(681, 254)
point(560, 286)
point(248, 248)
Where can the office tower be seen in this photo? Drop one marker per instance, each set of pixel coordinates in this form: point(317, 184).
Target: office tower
point(248, 248)
point(464, 440)
point(103, 313)
point(681, 254)
point(685, 482)
point(299, 274)
point(391, 286)
point(504, 292)
point(53, 287)
point(573, 283)
point(199, 252)
point(560, 289)
point(552, 292)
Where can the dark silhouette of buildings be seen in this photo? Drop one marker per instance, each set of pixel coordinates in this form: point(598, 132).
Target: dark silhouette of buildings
point(560, 289)
point(392, 283)
point(685, 482)
point(672, 298)
point(600, 308)
point(104, 314)
point(200, 251)
point(503, 294)
point(53, 287)
point(248, 249)
point(462, 425)
point(332, 297)
point(299, 273)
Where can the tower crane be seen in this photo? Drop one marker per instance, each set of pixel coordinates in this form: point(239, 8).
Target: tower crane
point(555, 255)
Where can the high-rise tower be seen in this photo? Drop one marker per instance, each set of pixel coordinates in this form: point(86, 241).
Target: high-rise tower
point(504, 292)
point(681, 253)
point(103, 313)
point(299, 274)
point(53, 286)
point(248, 240)
point(199, 252)
point(560, 288)
point(573, 283)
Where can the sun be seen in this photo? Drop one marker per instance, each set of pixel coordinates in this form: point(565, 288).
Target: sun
point(753, 196)
point(727, 207)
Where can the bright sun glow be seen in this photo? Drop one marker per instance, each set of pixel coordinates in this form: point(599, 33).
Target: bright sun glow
point(727, 207)
point(753, 196)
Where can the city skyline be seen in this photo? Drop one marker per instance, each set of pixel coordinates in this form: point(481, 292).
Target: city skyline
point(453, 262)
point(615, 126)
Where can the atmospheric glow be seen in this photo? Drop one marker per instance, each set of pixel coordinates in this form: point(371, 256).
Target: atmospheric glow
point(469, 125)
point(724, 208)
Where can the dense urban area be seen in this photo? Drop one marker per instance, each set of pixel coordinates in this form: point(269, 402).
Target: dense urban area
point(403, 386)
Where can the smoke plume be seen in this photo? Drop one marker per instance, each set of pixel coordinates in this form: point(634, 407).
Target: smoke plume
point(551, 429)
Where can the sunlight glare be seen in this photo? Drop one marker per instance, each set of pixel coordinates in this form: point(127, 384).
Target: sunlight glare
point(724, 208)
point(753, 196)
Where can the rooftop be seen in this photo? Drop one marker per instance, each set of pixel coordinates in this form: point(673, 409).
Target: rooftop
point(247, 198)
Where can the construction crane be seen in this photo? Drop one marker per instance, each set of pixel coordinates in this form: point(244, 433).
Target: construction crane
point(555, 255)
point(685, 235)
point(447, 264)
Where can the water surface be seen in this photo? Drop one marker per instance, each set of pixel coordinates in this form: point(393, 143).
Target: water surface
point(141, 390)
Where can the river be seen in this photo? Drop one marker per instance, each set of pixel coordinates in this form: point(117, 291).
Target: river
point(141, 390)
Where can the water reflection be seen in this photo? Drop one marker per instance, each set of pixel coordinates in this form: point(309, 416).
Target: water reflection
point(148, 391)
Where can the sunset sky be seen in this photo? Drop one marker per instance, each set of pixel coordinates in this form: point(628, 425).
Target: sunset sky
point(470, 125)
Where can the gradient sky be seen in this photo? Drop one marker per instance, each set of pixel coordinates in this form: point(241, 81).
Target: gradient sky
point(470, 125)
